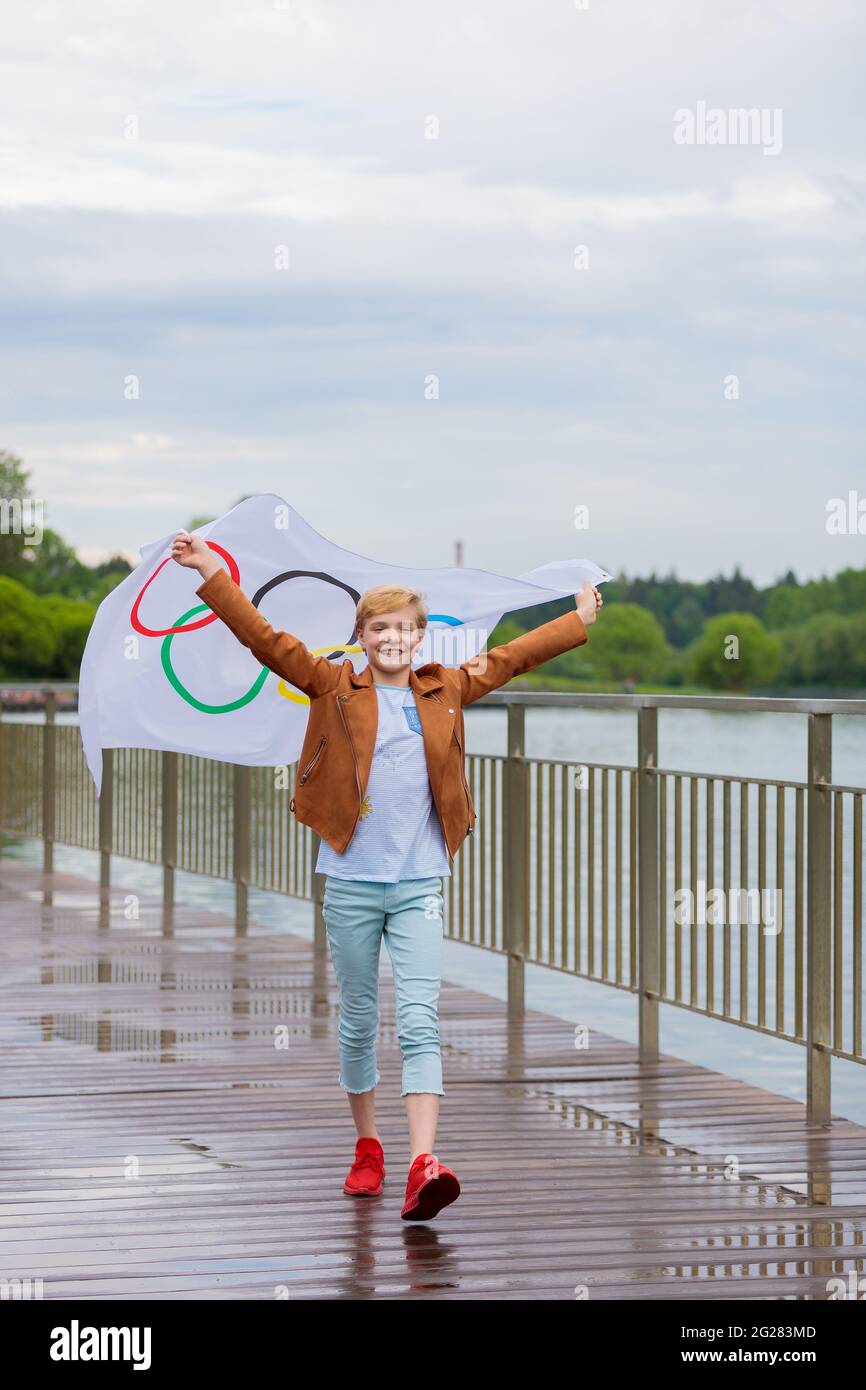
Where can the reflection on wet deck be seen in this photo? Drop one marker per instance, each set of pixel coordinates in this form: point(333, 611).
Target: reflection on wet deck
point(173, 1128)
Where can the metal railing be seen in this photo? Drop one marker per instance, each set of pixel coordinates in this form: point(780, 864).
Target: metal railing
point(738, 898)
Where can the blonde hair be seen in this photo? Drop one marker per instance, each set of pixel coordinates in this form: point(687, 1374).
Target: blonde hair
point(386, 598)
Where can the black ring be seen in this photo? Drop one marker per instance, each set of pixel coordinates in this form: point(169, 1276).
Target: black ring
point(310, 574)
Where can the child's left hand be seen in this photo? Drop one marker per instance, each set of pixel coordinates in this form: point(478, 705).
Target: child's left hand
point(588, 602)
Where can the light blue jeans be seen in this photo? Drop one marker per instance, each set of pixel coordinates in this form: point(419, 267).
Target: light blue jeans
point(358, 912)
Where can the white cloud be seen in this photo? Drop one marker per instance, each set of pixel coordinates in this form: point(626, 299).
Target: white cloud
point(304, 125)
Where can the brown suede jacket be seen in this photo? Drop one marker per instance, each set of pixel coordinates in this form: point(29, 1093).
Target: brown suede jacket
point(337, 751)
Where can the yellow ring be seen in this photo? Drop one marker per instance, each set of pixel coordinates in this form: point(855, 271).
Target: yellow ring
point(289, 693)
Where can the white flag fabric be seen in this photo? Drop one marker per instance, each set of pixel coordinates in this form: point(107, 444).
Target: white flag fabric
point(161, 670)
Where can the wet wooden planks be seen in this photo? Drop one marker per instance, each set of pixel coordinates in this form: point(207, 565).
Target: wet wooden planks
point(173, 1128)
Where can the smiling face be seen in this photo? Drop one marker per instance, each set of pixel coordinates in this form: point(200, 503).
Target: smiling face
point(390, 640)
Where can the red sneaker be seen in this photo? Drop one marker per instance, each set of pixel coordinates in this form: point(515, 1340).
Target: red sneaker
point(366, 1177)
point(429, 1188)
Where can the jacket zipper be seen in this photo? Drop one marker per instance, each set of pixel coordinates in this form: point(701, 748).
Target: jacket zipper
point(340, 702)
point(469, 831)
point(312, 763)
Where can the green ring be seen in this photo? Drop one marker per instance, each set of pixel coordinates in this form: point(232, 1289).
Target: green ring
point(185, 694)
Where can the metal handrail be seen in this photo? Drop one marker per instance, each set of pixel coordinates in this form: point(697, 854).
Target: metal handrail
point(754, 704)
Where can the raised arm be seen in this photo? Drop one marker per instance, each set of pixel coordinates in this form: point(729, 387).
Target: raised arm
point(281, 652)
point(490, 669)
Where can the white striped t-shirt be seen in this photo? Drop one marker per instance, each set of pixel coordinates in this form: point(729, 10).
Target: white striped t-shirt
point(398, 834)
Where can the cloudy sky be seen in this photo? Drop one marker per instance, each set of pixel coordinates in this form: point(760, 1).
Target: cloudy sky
point(337, 247)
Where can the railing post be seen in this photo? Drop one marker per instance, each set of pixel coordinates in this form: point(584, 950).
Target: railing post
point(514, 868)
point(169, 830)
point(241, 843)
point(819, 812)
point(648, 882)
point(49, 781)
point(317, 881)
point(106, 818)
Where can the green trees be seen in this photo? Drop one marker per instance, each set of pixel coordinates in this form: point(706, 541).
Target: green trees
point(733, 652)
point(48, 597)
point(828, 649)
point(41, 637)
point(626, 643)
point(804, 635)
point(71, 620)
point(28, 637)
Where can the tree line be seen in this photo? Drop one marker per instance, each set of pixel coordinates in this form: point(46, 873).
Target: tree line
point(722, 634)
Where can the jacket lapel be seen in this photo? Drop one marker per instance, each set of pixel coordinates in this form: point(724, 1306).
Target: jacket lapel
point(436, 718)
point(434, 713)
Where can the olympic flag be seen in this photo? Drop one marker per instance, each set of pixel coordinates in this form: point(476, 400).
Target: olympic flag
point(160, 670)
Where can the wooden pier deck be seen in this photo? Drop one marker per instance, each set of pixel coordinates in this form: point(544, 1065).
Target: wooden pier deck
point(157, 1143)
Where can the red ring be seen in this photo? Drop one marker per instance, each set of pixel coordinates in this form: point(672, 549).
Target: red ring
point(189, 627)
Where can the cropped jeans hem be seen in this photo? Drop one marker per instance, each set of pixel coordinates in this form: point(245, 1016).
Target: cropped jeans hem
point(357, 1090)
point(409, 916)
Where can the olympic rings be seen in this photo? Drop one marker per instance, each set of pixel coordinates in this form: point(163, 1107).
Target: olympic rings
point(181, 689)
point(182, 624)
point(169, 631)
point(288, 694)
point(278, 579)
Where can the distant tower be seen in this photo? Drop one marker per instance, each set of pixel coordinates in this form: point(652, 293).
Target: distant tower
point(458, 554)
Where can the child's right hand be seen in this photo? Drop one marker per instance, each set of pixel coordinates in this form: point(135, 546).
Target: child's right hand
point(194, 553)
